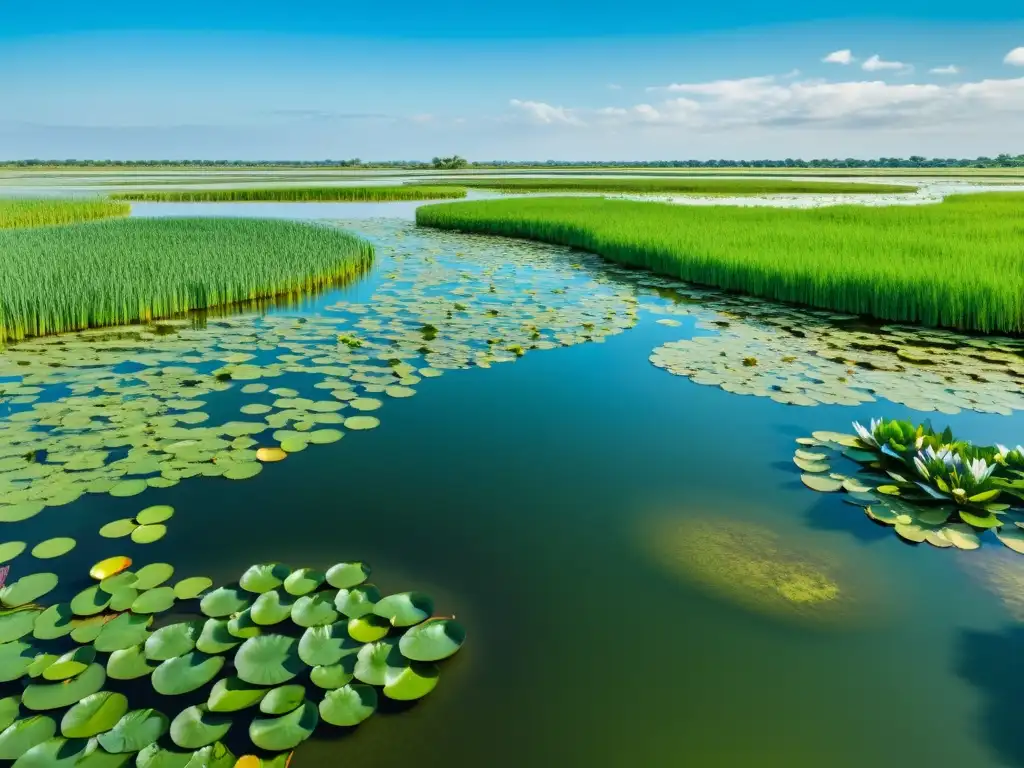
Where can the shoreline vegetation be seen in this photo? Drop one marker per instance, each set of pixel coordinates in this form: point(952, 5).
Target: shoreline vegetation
point(955, 264)
point(372, 194)
point(108, 273)
point(682, 186)
point(16, 213)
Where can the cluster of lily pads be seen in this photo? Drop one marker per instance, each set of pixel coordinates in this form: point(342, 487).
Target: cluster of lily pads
point(125, 409)
point(808, 357)
point(287, 648)
point(929, 486)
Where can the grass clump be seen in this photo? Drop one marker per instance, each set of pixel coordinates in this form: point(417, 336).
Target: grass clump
point(956, 264)
point(45, 213)
point(67, 278)
point(683, 186)
point(371, 194)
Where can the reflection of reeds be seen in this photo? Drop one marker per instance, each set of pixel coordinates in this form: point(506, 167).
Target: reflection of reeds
point(956, 264)
point(45, 213)
point(682, 186)
point(372, 194)
point(135, 270)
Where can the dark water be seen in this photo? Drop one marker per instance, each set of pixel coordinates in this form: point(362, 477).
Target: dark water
point(521, 496)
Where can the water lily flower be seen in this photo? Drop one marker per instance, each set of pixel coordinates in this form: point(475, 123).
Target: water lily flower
point(867, 436)
point(980, 470)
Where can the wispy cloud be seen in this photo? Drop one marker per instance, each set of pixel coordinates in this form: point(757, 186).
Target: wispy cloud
point(540, 112)
point(614, 87)
point(877, 64)
point(951, 69)
point(1015, 57)
point(844, 56)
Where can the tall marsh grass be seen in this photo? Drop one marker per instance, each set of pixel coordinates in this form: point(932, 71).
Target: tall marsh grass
point(107, 273)
point(681, 186)
point(341, 194)
point(44, 213)
point(958, 264)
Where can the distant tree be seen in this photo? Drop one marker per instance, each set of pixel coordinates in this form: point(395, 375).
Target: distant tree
point(449, 163)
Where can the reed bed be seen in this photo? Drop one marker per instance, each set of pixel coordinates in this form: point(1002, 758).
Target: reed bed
point(665, 186)
point(370, 194)
point(45, 213)
point(957, 264)
point(133, 270)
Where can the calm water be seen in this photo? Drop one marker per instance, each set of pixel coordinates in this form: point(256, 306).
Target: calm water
point(521, 497)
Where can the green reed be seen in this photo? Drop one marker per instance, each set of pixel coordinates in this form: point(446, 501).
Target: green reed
point(681, 186)
point(44, 213)
point(956, 264)
point(370, 193)
point(68, 278)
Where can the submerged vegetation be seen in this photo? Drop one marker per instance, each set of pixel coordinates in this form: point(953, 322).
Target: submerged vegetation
point(67, 278)
point(930, 486)
point(342, 194)
point(46, 213)
point(956, 264)
point(306, 648)
point(681, 186)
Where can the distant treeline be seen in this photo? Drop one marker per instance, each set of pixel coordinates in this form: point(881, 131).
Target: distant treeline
point(914, 161)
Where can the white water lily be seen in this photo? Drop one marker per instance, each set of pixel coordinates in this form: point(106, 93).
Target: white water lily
point(1002, 450)
point(867, 436)
point(980, 470)
point(945, 454)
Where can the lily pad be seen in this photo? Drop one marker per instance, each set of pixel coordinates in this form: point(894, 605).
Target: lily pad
point(347, 575)
point(155, 600)
point(51, 548)
point(321, 646)
point(349, 706)
point(303, 581)
point(357, 601)
point(93, 715)
point(433, 640)
point(10, 550)
point(122, 632)
point(186, 673)
point(147, 534)
point(821, 483)
point(359, 423)
point(215, 637)
point(271, 454)
point(278, 734)
point(197, 727)
point(225, 601)
point(27, 589)
point(42, 696)
point(979, 521)
point(90, 601)
point(159, 513)
point(118, 529)
point(112, 566)
point(153, 575)
point(129, 664)
point(316, 610)
point(15, 659)
point(192, 587)
point(114, 584)
point(127, 488)
point(265, 577)
point(135, 731)
point(71, 664)
point(242, 626)
point(22, 735)
point(268, 660)
point(173, 640)
point(405, 609)
point(406, 680)
point(9, 709)
point(14, 625)
point(368, 628)
point(282, 700)
point(334, 675)
point(232, 694)
point(1012, 537)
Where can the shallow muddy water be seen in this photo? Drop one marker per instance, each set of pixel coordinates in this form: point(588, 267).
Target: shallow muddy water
point(612, 536)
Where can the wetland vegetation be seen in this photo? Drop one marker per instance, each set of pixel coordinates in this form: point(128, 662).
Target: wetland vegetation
point(681, 186)
point(955, 264)
point(45, 213)
point(338, 194)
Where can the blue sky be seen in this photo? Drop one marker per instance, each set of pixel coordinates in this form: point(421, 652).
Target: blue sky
point(535, 79)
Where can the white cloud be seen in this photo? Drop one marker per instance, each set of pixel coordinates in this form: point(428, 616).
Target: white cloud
point(952, 69)
point(877, 64)
point(614, 87)
point(422, 118)
point(1015, 57)
point(844, 56)
point(779, 103)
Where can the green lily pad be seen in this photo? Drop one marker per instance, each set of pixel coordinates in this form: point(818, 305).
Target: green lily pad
point(156, 600)
point(979, 521)
point(15, 513)
point(368, 628)
point(42, 696)
point(159, 513)
point(90, 601)
point(359, 423)
point(225, 601)
point(155, 756)
point(135, 731)
point(123, 599)
point(147, 534)
point(433, 640)
point(118, 529)
point(320, 646)
point(242, 626)
point(122, 632)
point(129, 664)
point(264, 577)
point(272, 608)
point(127, 488)
point(406, 680)
point(153, 575)
point(27, 589)
point(821, 483)
point(197, 727)
point(51, 548)
point(365, 404)
point(14, 625)
point(911, 532)
point(268, 660)
point(22, 735)
point(215, 637)
point(279, 734)
point(347, 575)
point(10, 550)
point(88, 629)
point(56, 752)
point(243, 470)
point(405, 609)
point(316, 610)
point(173, 640)
point(93, 715)
point(282, 700)
point(1012, 537)
point(15, 659)
point(349, 706)
point(232, 694)
point(41, 663)
point(303, 581)
point(357, 601)
point(71, 664)
point(192, 587)
point(334, 675)
point(372, 662)
point(186, 673)
point(962, 536)
point(114, 584)
point(9, 709)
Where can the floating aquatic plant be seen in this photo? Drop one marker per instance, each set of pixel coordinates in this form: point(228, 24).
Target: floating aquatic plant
point(297, 666)
point(928, 485)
